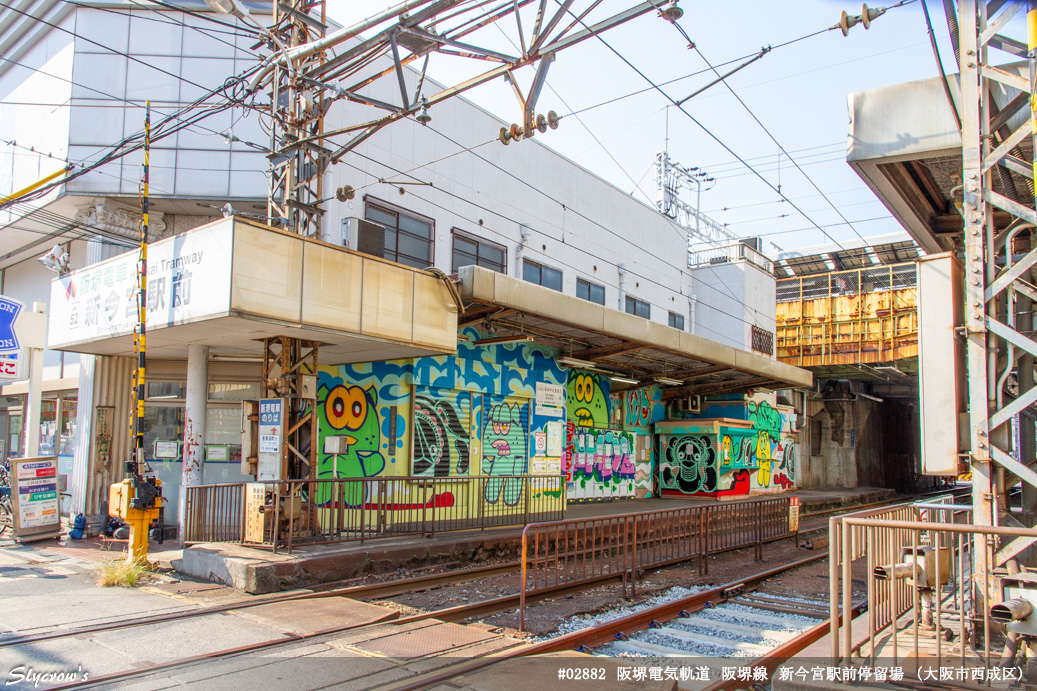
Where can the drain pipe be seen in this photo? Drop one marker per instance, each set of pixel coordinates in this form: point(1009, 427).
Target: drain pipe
point(693, 302)
point(622, 286)
point(520, 253)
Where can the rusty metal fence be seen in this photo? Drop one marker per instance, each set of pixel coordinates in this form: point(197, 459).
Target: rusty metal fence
point(584, 550)
point(214, 513)
point(297, 512)
point(918, 566)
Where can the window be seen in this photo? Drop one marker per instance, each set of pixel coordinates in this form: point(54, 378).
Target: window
point(762, 341)
point(542, 275)
point(408, 238)
point(585, 290)
point(469, 250)
point(677, 321)
point(638, 307)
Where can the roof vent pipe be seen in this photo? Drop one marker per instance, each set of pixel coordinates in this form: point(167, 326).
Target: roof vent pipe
point(622, 285)
point(526, 233)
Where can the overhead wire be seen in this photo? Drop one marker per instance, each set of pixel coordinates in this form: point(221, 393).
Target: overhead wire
point(710, 133)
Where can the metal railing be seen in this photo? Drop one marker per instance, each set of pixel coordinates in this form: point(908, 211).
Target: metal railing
point(924, 598)
point(296, 512)
point(890, 277)
point(214, 513)
point(729, 253)
point(584, 550)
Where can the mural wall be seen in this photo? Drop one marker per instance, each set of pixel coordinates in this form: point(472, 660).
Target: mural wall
point(464, 415)
point(733, 448)
point(602, 465)
point(642, 409)
point(474, 414)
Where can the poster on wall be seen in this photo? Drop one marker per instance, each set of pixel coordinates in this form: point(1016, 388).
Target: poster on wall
point(104, 416)
point(539, 443)
point(35, 494)
point(555, 431)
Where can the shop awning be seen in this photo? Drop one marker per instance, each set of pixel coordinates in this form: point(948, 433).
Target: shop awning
point(617, 342)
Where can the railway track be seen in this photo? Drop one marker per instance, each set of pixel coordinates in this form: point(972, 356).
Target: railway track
point(579, 640)
point(730, 612)
point(727, 620)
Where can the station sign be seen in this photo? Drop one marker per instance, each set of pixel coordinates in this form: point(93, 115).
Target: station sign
point(550, 400)
point(271, 432)
point(188, 279)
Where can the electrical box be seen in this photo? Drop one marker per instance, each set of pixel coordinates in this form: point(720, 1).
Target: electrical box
point(119, 495)
point(249, 437)
point(308, 386)
point(926, 558)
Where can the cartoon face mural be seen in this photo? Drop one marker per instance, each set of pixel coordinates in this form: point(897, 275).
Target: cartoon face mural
point(767, 452)
point(587, 400)
point(441, 437)
point(689, 464)
point(351, 412)
point(504, 451)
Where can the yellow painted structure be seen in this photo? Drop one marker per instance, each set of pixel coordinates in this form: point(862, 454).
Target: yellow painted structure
point(848, 317)
point(120, 503)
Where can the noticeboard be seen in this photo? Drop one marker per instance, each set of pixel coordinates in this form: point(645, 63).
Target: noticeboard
point(34, 492)
point(794, 515)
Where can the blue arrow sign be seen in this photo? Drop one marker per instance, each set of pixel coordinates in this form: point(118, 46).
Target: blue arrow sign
point(9, 311)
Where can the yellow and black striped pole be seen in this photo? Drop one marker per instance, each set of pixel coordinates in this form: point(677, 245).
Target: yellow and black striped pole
point(142, 301)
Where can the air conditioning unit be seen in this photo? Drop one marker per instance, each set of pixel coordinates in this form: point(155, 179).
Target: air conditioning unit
point(690, 404)
point(756, 243)
point(362, 236)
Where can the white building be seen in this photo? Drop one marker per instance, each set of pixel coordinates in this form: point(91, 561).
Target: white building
point(73, 82)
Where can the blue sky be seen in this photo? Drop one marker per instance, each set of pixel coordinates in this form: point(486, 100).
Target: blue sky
point(798, 92)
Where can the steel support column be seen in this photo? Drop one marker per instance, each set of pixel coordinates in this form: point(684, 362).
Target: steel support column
point(1000, 352)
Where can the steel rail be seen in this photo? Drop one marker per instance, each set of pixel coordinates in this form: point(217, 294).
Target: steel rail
point(373, 591)
point(786, 650)
point(460, 613)
point(603, 633)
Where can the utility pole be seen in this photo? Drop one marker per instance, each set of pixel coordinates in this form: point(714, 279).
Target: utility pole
point(138, 498)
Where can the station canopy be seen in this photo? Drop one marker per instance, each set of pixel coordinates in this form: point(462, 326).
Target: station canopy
point(233, 283)
point(596, 337)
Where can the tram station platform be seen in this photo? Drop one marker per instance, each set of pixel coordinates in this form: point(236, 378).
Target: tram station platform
point(258, 571)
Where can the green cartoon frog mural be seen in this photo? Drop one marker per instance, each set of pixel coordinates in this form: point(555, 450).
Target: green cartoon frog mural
point(586, 402)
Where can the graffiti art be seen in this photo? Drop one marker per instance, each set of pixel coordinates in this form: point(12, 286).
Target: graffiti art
point(441, 436)
point(587, 399)
point(504, 451)
point(600, 464)
point(689, 464)
point(352, 412)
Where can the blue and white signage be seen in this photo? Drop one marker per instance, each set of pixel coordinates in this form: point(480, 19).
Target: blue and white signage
point(271, 430)
point(9, 311)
